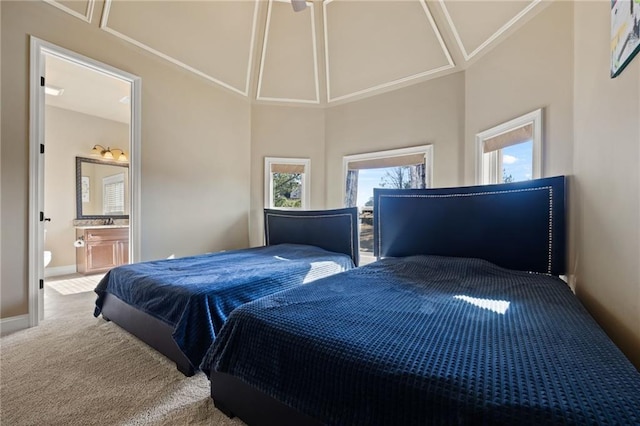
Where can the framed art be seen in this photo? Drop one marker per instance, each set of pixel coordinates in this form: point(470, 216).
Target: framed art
point(625, 33)
point(86, 194)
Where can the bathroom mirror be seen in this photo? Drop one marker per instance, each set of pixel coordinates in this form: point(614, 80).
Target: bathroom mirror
point(102, 189)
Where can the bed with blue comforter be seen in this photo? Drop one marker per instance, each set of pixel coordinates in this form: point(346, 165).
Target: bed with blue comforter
point(196, 294)
point(431, 340)
point(423, 338)
point(178, 306)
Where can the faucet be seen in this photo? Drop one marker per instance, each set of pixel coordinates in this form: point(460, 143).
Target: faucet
point(108, 221)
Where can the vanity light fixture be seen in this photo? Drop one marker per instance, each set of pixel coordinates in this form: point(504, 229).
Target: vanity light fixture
point(108, 153)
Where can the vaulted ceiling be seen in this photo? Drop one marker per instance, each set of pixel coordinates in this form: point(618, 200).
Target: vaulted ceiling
point(333, 51)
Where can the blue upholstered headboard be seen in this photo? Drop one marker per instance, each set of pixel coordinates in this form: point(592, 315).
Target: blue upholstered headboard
point(517, 225)
point(334, 230)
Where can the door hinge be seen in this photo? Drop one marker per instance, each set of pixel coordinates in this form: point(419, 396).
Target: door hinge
point(41, 148)
point(42, 81)
point(41, 284)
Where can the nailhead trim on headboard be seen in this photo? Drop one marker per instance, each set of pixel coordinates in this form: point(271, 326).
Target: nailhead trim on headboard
point(475, 194)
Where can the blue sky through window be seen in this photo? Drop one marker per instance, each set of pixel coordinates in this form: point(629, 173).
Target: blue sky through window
point(517, 161)
point(367, 180)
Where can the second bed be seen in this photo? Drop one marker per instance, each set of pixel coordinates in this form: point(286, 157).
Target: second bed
point(178, 306)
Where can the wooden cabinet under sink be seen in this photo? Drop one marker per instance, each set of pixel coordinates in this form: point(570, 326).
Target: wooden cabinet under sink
point(104, 248)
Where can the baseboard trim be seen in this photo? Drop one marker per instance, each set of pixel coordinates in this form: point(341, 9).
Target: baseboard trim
point(12, 324)
point(59, 270)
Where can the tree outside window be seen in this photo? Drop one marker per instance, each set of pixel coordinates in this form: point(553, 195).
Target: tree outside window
point(286, 183)
point(287, 190)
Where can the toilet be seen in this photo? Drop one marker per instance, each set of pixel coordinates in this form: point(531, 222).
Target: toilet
point(47, 253)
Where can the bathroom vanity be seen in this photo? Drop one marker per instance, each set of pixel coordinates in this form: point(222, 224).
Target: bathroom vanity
point(105, 247)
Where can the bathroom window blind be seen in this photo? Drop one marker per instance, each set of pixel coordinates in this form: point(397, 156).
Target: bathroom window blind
point(113, 196)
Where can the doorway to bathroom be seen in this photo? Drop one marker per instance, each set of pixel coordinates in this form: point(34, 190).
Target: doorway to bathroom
point(84, 141)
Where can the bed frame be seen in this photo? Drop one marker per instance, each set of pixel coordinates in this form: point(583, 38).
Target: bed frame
point(334, 230)
point(516, 225)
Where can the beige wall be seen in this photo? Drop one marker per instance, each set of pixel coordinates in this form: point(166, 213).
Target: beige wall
point(195, 166)
point(195, 146)
point(69, 134)
point(278, 131)
point(607, 181)
point(531, 69)
point(427, 113)
point(1, 196)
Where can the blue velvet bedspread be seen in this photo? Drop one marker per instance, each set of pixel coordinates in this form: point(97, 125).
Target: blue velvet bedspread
point(196, 294)
point(431, 340)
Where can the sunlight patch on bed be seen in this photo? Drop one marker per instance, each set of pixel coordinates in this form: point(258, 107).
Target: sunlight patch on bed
point(497, 306)
point(322, 269)
point(281, 258)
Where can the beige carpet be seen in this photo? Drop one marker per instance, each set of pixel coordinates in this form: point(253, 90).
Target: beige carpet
point(74, 369)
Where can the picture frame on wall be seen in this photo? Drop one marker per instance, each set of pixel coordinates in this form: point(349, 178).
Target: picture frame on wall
point(86, 194)
point(625, 33)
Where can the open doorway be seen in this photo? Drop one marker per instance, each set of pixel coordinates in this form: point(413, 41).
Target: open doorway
point(84, 141)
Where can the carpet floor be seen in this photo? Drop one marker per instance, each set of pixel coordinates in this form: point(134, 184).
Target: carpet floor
point(74, 369)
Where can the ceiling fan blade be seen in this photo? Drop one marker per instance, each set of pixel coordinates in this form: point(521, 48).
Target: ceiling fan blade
point(299, 5)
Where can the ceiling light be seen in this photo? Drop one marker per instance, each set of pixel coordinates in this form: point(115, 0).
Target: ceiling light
point(53, 90)
point(299, 5)
point(108, 153)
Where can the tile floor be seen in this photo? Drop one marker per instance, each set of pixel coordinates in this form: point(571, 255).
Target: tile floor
point(64, 291)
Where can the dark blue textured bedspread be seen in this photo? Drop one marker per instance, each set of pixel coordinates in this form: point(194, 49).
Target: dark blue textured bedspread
point(431, 340)
point(196, 294)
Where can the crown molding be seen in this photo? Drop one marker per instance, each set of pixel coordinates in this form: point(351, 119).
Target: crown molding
point(450, 64)
point(492, 38)
point(312, 16)
point(86, 17)
point(104, 25)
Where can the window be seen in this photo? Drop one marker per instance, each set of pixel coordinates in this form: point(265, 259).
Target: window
point(286, 182)
point(399, 168)
point(512, 151)
point(113, 194)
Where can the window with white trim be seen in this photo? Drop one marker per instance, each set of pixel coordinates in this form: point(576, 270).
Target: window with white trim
point(113, 194)
point(287, 183)
point(398, 168)
point(512, 151)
